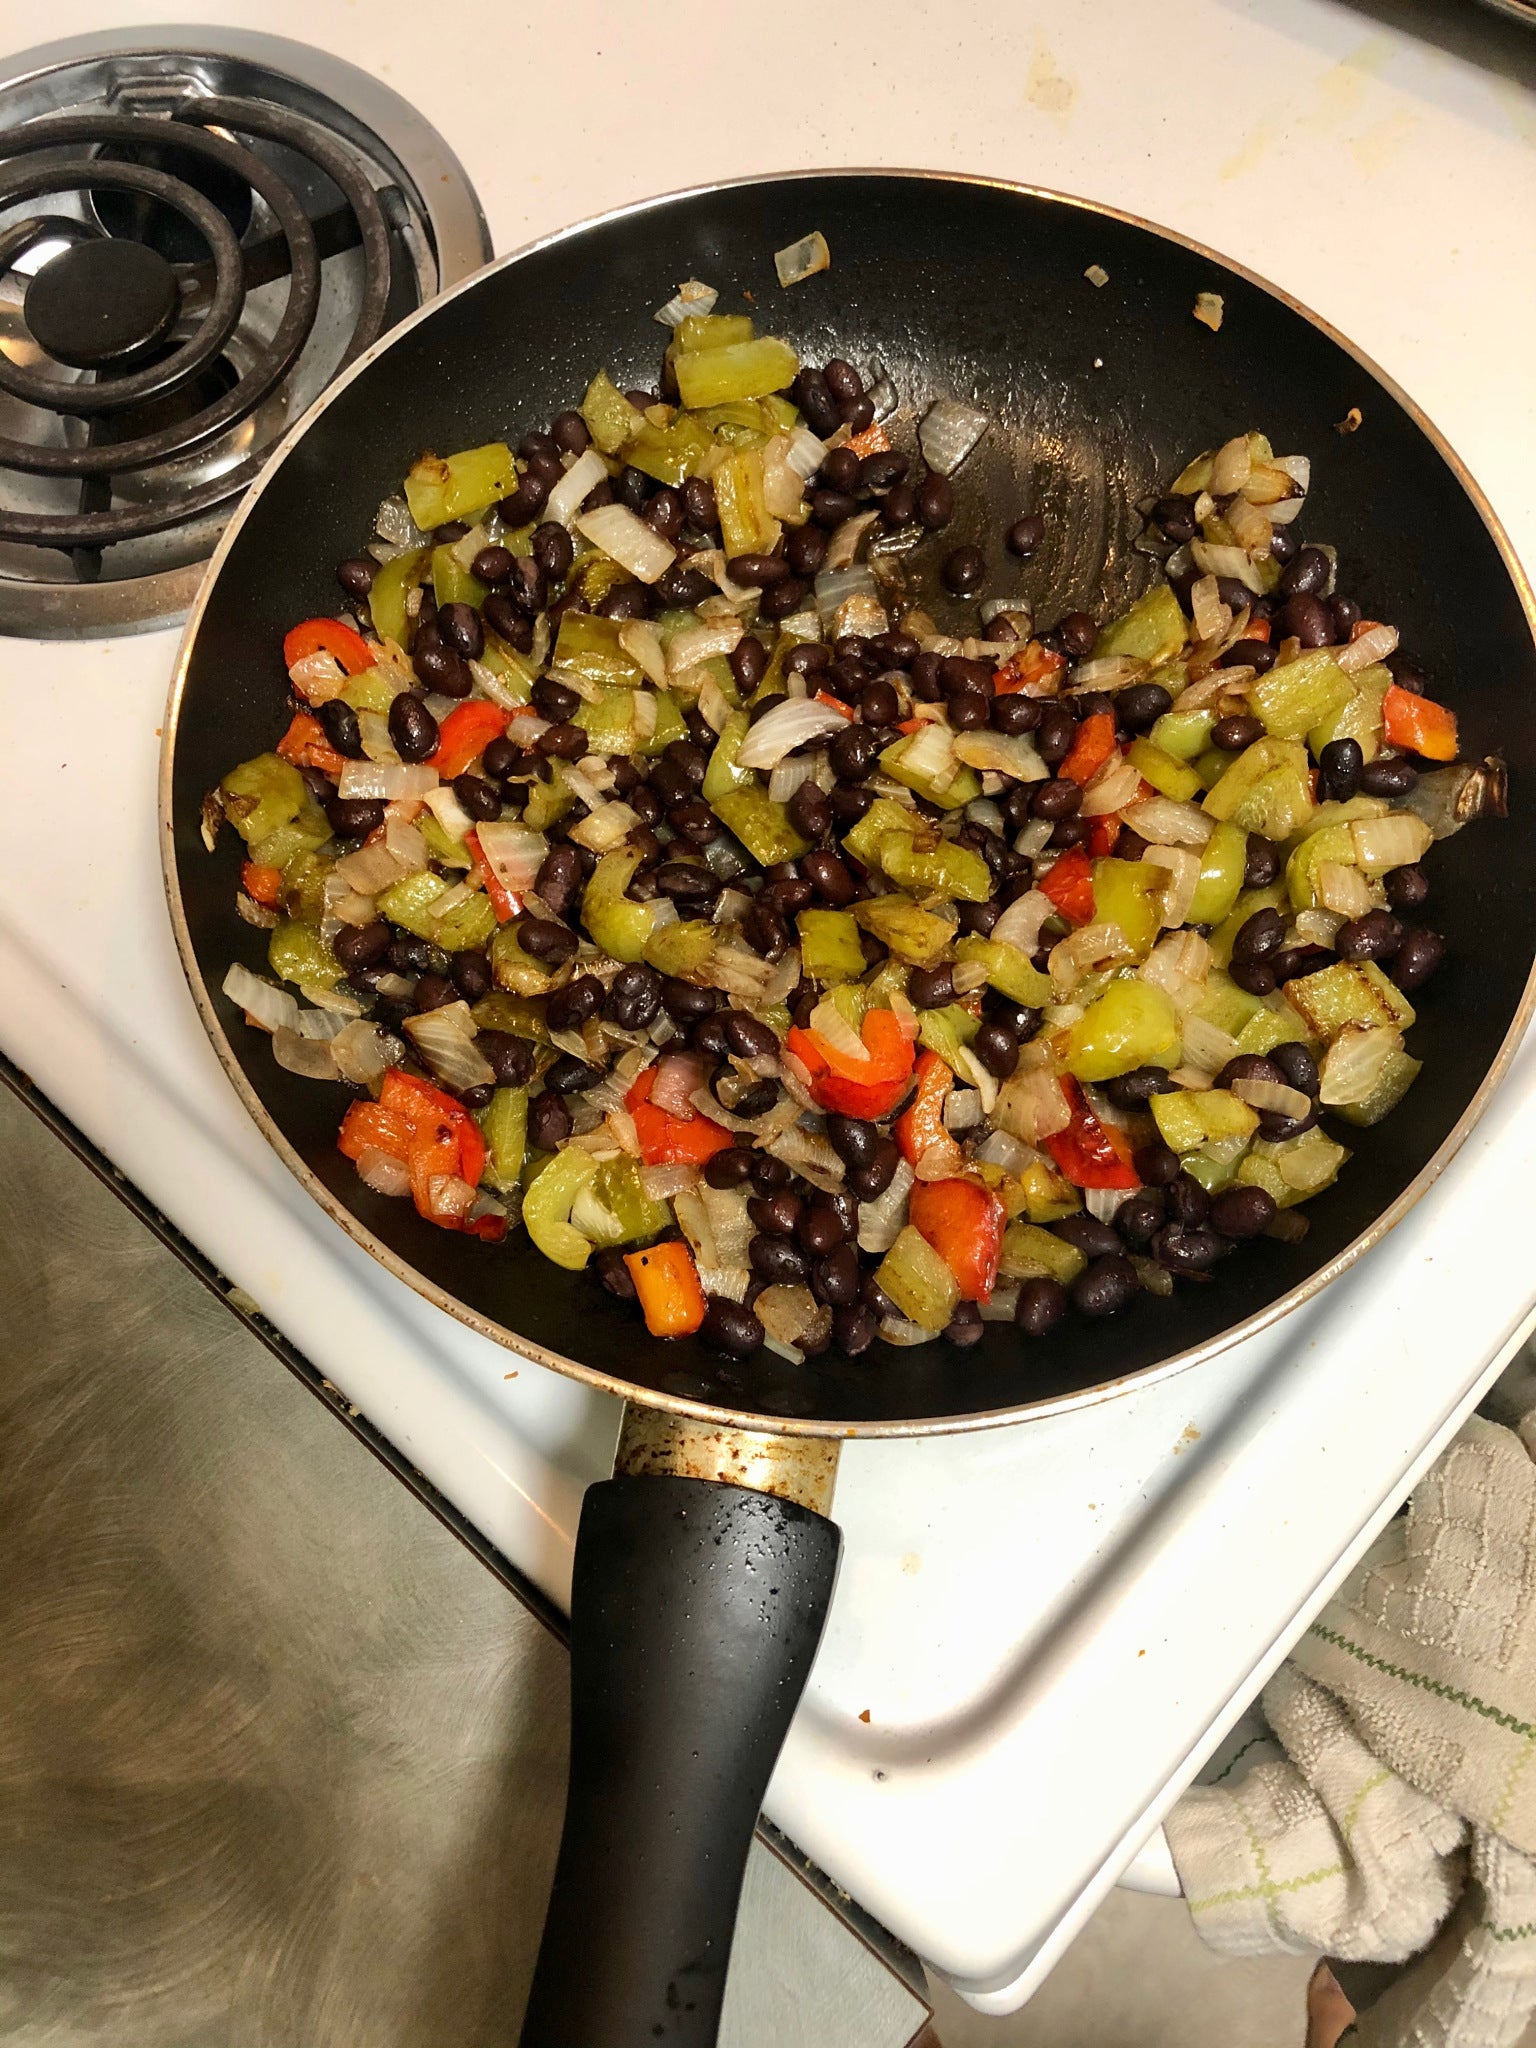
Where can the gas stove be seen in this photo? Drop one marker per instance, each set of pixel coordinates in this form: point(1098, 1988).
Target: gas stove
point(198, 230)
point(1040, 1633)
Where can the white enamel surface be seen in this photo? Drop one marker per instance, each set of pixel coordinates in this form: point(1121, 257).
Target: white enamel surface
point(1048, 1627)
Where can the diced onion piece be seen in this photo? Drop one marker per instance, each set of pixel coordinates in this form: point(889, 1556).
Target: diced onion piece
point(1104, 1204)
point(449, 812)
point(1032, 1106)
point(788, 776)
point(1273, 1097)
point(514, 853)
point(1183, 879)
point(1373, 645)
point(383, 1172)
point(948, 433)
point(1210, 310)
point(445, 1039)
point(679, 1075)
point(626, 539)
point(833, 587)
point(690, 298)
point(642, 643)
point(1002, 1148)
point(661, 1183)
point(359, 1050)
point(1355, 1062)
point(580, 480)
point(789, 1313)
point(844, 543)
point(272, 1008)
point(1231, 466)
point(394, 781)
point(714, 705)
point(310, 1058)
point(1082, 952)
point(1112, 788)
point(969, 975)
point(1342, 888)
point(930, 755)
point(1211, 616)
point(984, 1082)
point(830, 1025)
point(1163, 821)
point(710, 562)
point(606, 827)
point(881, 1221)
point(1021, 922)
point(697, 644)
point(643, 713)
point(318, 677)
point(962, 1109)
point(1251, 529)
point(1206, 1045)
point(373, 732)
point(1217, 559)
point(373, 868)
point(1396, 841)
point(806, 453)
point(1298, 468)
point(1154, 1278)
point(1109, 672)
point(1179, 965)
point(1002, 753)
point(860, 612)
point(1317, 927)
point(783, 486)
point(788, 726)
point(1097, 275)
point(802, 259)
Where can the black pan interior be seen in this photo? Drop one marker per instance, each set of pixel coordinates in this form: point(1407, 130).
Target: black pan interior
point(1100, 394)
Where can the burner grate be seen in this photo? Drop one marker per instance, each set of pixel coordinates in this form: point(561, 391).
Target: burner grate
point(105, 302)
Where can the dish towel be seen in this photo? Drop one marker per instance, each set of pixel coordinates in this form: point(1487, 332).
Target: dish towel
point(1393, 1812)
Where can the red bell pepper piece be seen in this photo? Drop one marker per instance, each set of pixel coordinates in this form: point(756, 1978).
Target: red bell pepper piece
point(369, 1126)
point(506, 902)
point(1070, 885)
point(1088, 1153)
point(964, 1224)
point(834, 703)
point(465, 734)
point(868, 1089)
point(1035, 669)
point(306, 746)
point(426, 1109)
point(1418, 725)
point(921, 1123)
point(874, 440)
point(1102, 834)
point(667, 1282)
point(1093, 746)
point(349, 647)
point(263, 885)
point(667, 1140)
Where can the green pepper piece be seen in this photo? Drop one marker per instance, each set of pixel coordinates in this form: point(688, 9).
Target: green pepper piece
point(1397, 1077)
point(1222, 861)
point(1300, 694)
point(516, 676)
point(948, 870)
point(547, 1205)
point(389, 590)
point(1152, 630)
point(296, 952)
point(311, 828)
point(1133, 1024)
point(516, 1015)
point(622, 1194)
point(1009, 971)
point(452, 582)
point(408, 903)
point(461, 487)
point(762, 826)
point(504, 1126)
point(616, 925)
point(669, 725)
point(1190, 1118)
point(829, 946)
point(1129, 893)
point(672, 453)
point(681, 949)
point(1360, 717)
point(883, 817)
point(1168, 775)
point(609, 724)
point(374, 690)
point(517, 971)
point(913, 935)
point(1333, 842)
point(1225, 1005)
point(611, 419)
point(1348, 992)
point(304, 879)
point(1212, 1174)
point(262, 794)
point(453, 853)
point(1030, 1253)
point(588, 645)
point(947, 1031)
point(746, 526)
point(712, 330)
point(1183, 734)
point(1274, 1023)
point(950, 796)
point(549, 801)
point(742, 369)
point(1302, 1167)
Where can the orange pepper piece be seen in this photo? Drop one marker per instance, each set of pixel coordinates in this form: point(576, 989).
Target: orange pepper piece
point(1070, 886)
point(1088, 1153)
point(306, 746)
point(1032, 669)
point(667, 1140)
point(667, 1282)
point(1102, 834)
point(868, 1089)
point(263, 885)
point(873, 440)
point(921, 1123)
point(1419, 725)
point(465, 734)
point(348, 647)
point(964, 1224)
point(1093, 746)
point(368, 1125)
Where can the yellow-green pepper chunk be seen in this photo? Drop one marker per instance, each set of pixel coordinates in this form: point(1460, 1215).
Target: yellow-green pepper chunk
point(1133, 1024)
point(1030, 1253)
point(1190, 1118)
point(1299, 694)
point(829, 946)
point(1009, 971)
point(547, 1205)
point(296, 952)
point(945, 1031)
point(918, 1281)
point(913, 935)
point(261, 794)
point(616, 925)
point(588, 645)
point(504, 1126)
point(1183, 734)
point(1168, 775)
point(680, 949)
point(1222, 861)
point(611, 419)
point(947, 870)
point(1152, 630)
point(461, 487)
point(762, 826)
point(1129, 893)
point(741, 369)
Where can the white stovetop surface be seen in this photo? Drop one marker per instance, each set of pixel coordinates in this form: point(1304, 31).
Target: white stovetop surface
point(1048, 1627)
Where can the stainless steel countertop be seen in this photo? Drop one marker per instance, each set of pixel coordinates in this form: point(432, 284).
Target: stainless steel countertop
point(281, 1760)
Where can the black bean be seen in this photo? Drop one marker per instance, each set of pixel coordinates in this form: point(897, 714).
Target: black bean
point(757, 572)
point(730, 1169)
point(777, 1261)
point(965, 1326)
point(935, 501)
point(1262, 863)
point(358, 946)
point(356, 575)
point(749, 1037)
point(627, 601)
point(997, 1049)
point(683, 588)
point(632, 488)
point(1283, 545)
point(492, 565)
point(849, 803)
point(1257, 977)
point(412, 728)
point(1249, 1066)
point(1242, 1212)
point(1340, 764)
point(1258, 935)
point(1137, 1088)
point(1014, 713)
point(665, 514)
point(1175, 517)
point(1089, 704)
point(964, 570)
point(1375, 936)
point(840, 470)
point(1156, 1164)
point(1306, 619)
point(542, 939)
point(1056, 799)
point(341, 728)
point(831, 508)
point(1297, 1066)
point(1274, 1127)
point(852, 753)
point(809, 811)
point(969, 711)
point(1187, 1249)
point(1407, 888)
point(930, 988)
point(1307, 575)
point(460, 627)
point(869, 1182)
point(1076, 635)
point(526, 502)
point(433, 991)
point(569, 1075)
point(748, 662)
point(1040, 1307)
point(1420, 953)
point(731, 1327)
point(1234, 733)
point(441, 669)
point(854, 1329)
point(511, 1059)
point(1346, 616)
point(1254, 654)
point(879, 703)
point(898, 507)
point(1025, 536)
point(509, 620)
point(1106, 1286)
point(837, 1277)
point(568, 432)
point(1142, 705)
point(562, 742)
point(1055, 734)
point(1406, 672)
point(857, 413)
point(1292, 961)
point(699, 506)
point(634, 998)
point(820, 1230)
point(1088, 1235)
point(842, 379)
point(608, 1264)
point(555, 701)
point(1393, 777)
point(775, 1215)
point(549, 1122)
point(686, 881)
point(785, 599)
point(1188, 1202)
point(854, 1141)
point(1139, 1219)
point(553, 550)
point(354, 817)
point(410, 955)
point(879, 471)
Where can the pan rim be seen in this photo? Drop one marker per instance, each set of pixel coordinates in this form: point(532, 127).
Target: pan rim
point(752, 1419)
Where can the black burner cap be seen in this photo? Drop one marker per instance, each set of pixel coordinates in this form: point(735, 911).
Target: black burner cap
point(102, 301)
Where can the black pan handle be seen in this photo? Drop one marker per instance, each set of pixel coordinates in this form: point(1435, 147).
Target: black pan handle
point(696, 1608)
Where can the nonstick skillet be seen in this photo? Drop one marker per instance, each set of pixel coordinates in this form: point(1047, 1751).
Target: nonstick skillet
point(703, 1569)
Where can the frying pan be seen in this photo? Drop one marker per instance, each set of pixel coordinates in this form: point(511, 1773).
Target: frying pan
point(703, 1569)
